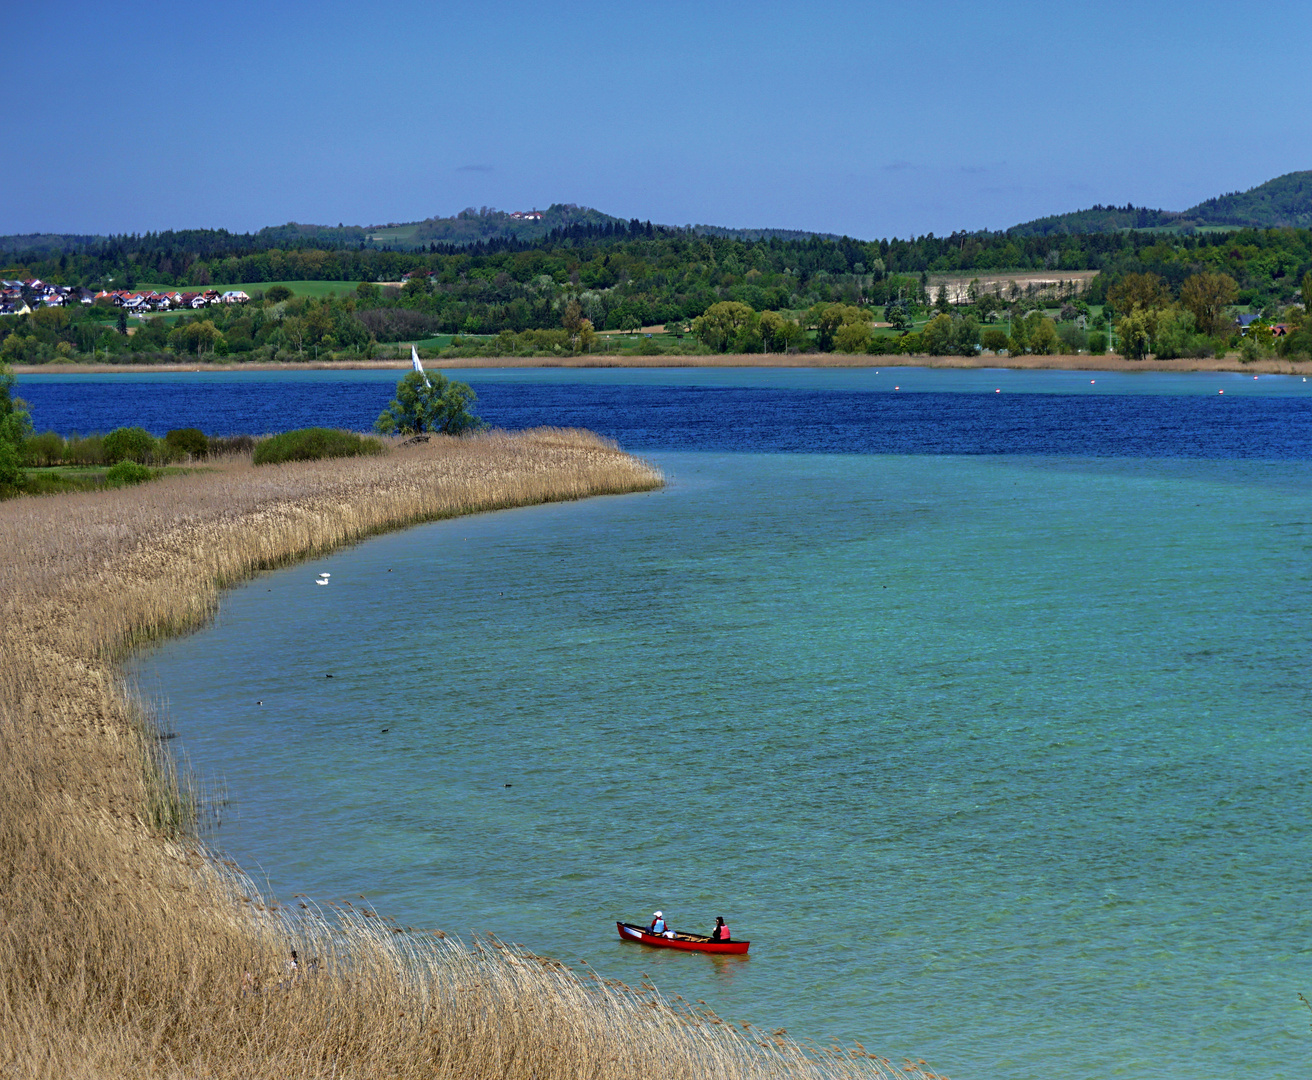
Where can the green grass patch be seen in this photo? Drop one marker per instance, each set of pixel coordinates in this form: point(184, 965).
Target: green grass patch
point(62, 479)
point(435, 343)
point(312, 444)
point(400, 234)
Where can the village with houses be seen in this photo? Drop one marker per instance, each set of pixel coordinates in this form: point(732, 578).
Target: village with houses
point(22, 297)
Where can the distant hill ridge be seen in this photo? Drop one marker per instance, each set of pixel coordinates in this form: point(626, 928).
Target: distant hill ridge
point(1283, 202)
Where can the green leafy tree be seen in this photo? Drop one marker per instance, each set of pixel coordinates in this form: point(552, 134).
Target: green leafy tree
point(129, 444)
point(1141, 291)
point(771, 324)
point(200, 335)
point(723, 324)
point(965, 335)
point(1042, 337)
point(852, 337)
point(429, 402)
point(572, 320)
point(294, 331)
point(896, 315)
point(994, 339)
point(276, 294)
point(15, 428)
point(936, 336)
point(1206, 296)
point(1174, 336)
point(828, 318)
point(1136, 334)
point(187, 442)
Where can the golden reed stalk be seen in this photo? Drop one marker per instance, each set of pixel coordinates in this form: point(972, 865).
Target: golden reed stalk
point(127, 949)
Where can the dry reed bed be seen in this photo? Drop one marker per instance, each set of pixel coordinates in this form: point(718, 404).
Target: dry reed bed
point(127, 950)
point(1083, 362)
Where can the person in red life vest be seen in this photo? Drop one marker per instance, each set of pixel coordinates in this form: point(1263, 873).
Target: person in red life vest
point(721, 932)
point(657, 923)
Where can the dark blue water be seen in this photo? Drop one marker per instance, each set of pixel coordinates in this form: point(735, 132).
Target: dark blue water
point(929, 412)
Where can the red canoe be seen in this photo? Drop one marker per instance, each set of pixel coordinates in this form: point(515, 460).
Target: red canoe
point(687, 942)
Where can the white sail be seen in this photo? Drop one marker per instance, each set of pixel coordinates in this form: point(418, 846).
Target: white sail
point(414, 360)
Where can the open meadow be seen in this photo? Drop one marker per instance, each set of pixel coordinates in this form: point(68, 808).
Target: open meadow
point(129, 950)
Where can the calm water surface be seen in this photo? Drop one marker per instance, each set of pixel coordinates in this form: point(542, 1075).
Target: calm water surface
point(999, 759)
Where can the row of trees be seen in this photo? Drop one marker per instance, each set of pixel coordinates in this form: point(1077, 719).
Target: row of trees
point(630, 277)
point(1197, 319)
point(1149, 313)
point(188, 258)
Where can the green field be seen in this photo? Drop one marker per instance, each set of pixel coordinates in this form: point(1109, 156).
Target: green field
point(438, 341)
point(401, 235)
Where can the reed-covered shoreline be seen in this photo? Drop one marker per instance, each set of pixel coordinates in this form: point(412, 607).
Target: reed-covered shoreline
point(127, 949)
point(1029, 362)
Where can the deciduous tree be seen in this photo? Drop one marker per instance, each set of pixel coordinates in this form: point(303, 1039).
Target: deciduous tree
point(1207, 295)
point(723, 324)
point(1138, 291)
point(429, 401)
point(852, 337)
point(1135, 331)
point(15, 427)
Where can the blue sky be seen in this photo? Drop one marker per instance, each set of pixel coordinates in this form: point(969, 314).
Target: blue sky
point(871, 119)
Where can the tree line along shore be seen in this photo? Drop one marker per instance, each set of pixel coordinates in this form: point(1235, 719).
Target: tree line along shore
point(129, 949)
point(1167, 295)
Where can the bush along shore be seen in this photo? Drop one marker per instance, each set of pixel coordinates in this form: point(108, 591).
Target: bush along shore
point(128, 949)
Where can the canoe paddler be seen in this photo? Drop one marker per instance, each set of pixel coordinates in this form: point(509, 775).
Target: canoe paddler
point(721, 932)
point(657, 923)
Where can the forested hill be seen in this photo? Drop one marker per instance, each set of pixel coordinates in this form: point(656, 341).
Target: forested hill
point(482, 226)
point(471, 226)
point(487, 223)
point(1283, 202)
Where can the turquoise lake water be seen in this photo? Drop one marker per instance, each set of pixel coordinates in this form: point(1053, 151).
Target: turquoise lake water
point(1001, 762)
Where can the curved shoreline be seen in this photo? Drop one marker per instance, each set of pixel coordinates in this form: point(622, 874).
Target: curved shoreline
point(1107, 362)
point(128, 949)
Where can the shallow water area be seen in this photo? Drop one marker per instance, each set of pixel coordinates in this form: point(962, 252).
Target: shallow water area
point(999, 760)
